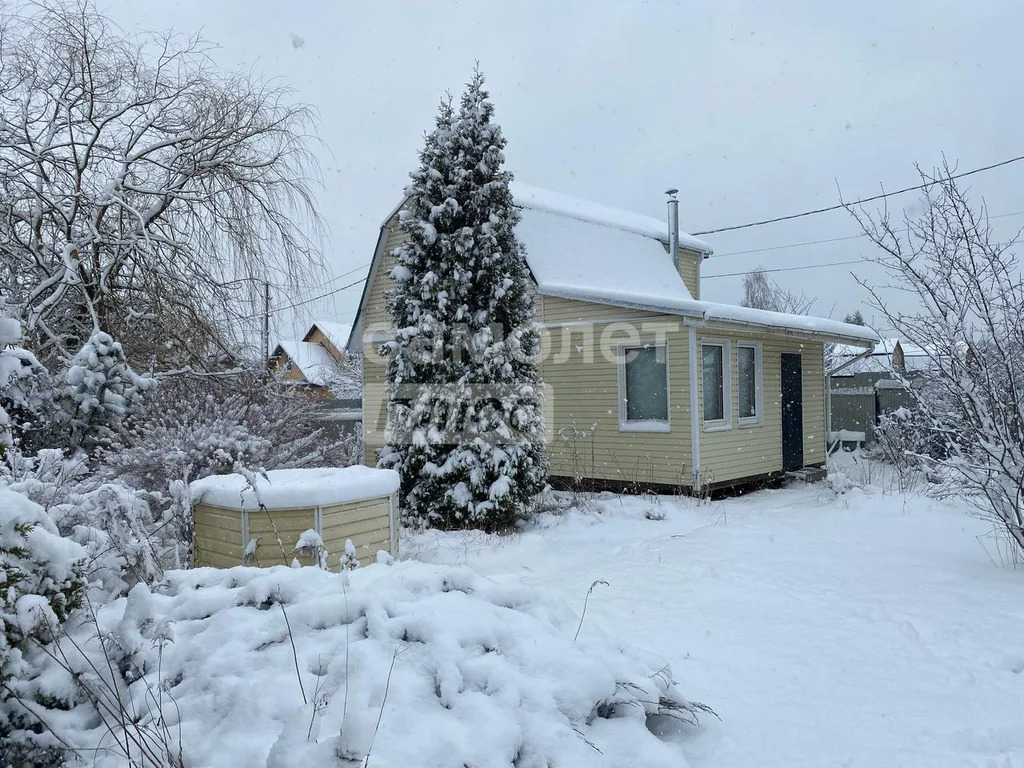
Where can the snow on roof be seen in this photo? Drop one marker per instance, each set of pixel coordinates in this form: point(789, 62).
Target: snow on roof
point(581, 250)
point(295, 488)
point(573, 258)
point(336, 333)
point(536, 199)
point(762, 317)
point(315, 362)
point(880, 361)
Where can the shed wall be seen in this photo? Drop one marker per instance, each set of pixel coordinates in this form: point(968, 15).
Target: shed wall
point(366, 523)
point(217, 537)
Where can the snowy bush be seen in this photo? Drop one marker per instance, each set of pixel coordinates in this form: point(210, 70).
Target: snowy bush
point(41, 583)
point(192, 428)
point(101, 390)
point(290, 667)
point(124, 530)
point(465, 424)
point(26, 398)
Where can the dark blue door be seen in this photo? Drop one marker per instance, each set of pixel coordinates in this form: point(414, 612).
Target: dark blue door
point(792, 413)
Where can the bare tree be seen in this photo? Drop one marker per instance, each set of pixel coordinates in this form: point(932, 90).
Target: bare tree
point(761, 293)
point(962, 295)
point(142, 191)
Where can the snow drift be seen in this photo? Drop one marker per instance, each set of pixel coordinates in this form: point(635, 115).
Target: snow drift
point(414, 664)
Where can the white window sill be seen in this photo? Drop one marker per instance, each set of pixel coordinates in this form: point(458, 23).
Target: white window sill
point(724, 427)
point(644, 426)
point(752, 422)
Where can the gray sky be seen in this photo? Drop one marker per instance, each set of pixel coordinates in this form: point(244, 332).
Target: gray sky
point(751, 109)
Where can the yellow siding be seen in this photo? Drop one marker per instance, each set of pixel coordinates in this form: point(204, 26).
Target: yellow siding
point(558, 310)
point(374, 314)
point(366, 523)
point(740, 452)
point(218, 537)
point(689, 268)
point(582, 382)
point(289, 524)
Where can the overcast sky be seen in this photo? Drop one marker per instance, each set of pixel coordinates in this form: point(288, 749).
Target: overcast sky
point(752, 110)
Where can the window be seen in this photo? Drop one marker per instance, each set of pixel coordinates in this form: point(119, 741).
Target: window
point(643, 388)
point(748, 369)
point(715, 385)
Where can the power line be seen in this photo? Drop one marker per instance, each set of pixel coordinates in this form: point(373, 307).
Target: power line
point(863, 200)
point(833, 239)
point(788, 269)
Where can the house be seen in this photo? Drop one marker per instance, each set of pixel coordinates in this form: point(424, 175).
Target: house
point(319, 363)
point(646, 383)
point(866, 387)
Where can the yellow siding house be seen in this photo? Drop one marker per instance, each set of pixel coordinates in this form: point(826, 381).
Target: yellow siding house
point(646, 384)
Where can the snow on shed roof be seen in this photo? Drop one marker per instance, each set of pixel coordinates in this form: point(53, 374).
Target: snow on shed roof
point(295, 488)
point(336, 333)
point(315, 362)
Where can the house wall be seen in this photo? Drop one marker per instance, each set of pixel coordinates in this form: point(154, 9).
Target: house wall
point(316, 336)
point(739, 452)
point(279, 368)
point(581, 377)
point(688, 263)
point(556, 310)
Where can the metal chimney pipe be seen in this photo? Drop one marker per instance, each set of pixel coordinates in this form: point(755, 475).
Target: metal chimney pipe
point(673, 226)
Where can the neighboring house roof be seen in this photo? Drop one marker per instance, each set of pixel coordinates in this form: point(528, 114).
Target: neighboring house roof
point(586, 251)
point(915, 358)
point(313, 361)
point(336, 333)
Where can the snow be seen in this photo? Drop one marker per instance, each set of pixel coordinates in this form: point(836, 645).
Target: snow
point(536, 199)
point(296, 488)
point(863, 629)
point(575, 259)
point(337, 333)
point(312, 360)
point(460, 671)
point(915, 358)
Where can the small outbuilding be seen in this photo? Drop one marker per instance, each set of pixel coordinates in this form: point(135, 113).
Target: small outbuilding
point(265, 519)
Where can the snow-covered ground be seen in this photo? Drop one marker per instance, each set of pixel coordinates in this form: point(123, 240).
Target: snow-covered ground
point(864, 629)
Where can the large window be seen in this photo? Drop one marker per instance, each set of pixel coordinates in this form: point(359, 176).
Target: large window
point(715, 385)
point(643, 388)
point(748, 370)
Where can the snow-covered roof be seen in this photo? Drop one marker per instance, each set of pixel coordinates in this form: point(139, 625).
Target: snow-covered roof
point(295, 488)
point(587, 251)
point(536, 199)
point(576, 259)
point(313, 360)
point(336, 333)
point(915, 358)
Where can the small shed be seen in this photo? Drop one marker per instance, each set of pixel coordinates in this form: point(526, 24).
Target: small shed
point(260, 522)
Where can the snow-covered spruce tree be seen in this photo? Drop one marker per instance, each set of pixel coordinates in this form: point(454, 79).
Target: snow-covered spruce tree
point(101, 388)
point(465, 416)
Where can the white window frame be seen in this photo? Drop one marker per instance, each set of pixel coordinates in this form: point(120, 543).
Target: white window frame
point(718, 425)
point(758, 419)
point(643, 426)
